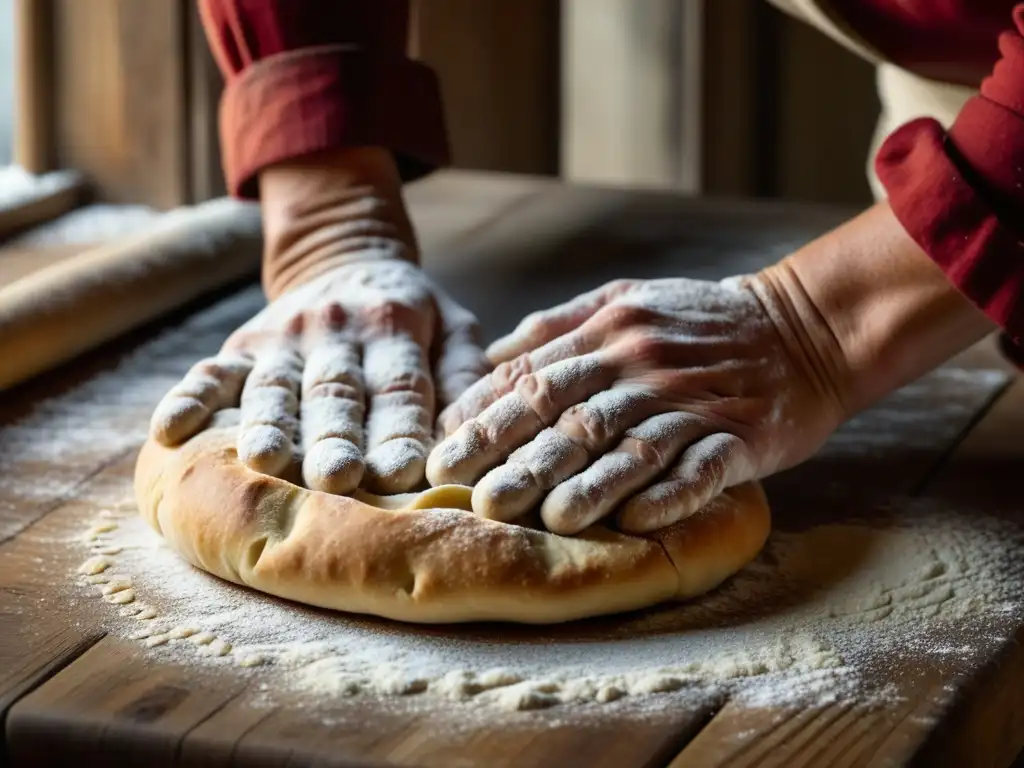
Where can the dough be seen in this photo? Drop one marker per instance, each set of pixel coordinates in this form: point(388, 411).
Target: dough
point(424, 557)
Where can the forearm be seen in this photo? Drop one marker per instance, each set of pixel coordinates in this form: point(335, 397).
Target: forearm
point(874, 311)
point(327, 209)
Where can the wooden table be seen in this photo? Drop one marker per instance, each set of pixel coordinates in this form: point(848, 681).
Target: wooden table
point(73, 693)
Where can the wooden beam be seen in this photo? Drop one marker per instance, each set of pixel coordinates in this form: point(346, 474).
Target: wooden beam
point(204, 86)
point(33, 130)
point(119, 97)
point(498, 65)
point(632, 92)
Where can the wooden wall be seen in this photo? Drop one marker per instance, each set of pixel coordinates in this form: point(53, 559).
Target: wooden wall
point(498, 63)
point(781, 111)
point(724, 97)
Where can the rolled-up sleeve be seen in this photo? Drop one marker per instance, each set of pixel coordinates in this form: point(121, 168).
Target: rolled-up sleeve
point(305, 76)
point(960, 194)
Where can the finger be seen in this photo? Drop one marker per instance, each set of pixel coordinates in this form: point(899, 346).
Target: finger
point(401, 408)
point(702, 472)
point(643, 454)
point(506, 376)
point(538, 328)
point(332, 411)
point(537, 400)
point(460, 362)
point(581, 434)
point(269, 408)
point(209, 386)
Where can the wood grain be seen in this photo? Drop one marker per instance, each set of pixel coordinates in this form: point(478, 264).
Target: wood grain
point(119, 98)
point(33, 130)
point(498, 65)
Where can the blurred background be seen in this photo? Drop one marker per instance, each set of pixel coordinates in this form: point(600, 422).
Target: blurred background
point(728, 97)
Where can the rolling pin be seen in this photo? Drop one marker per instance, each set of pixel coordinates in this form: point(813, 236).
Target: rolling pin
point(67, 308)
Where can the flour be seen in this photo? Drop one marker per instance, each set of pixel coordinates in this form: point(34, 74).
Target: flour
point(807, 620)
point(18, 187)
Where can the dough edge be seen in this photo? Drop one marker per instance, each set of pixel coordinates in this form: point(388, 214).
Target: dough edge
point(426, 565)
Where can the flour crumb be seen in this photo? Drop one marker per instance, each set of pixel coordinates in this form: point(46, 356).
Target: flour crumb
point(95, 565)
point(116, 585)
point(121, 597)
point(528, 696)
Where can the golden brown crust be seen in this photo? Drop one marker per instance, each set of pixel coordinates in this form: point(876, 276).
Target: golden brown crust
point(439, 564)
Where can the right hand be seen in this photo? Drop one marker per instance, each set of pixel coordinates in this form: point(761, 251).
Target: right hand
point(347, 366)
point(642, 399)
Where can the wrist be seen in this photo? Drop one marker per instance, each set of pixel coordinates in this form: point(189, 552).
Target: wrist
point(330, 209)
point(871, 310)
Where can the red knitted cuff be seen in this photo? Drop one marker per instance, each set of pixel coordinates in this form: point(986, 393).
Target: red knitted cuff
point(315, 99)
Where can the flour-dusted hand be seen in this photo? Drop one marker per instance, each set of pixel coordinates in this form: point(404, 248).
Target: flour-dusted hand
point(347, 366)
point(642, 397)
point(345, 370)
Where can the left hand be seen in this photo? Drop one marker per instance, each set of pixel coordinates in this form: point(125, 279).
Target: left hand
point(592, 401)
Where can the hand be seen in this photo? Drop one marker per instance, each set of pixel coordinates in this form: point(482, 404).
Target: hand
point(593, 401)
point(345, 368)
point(650, 397)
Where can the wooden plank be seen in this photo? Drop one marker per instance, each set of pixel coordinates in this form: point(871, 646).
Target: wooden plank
point(623, 92)
point(204, 86)
point(33, 130)
point(985, 724)
point(375, 738)
point(497, 63)
point(119, 74)
point(126, 709)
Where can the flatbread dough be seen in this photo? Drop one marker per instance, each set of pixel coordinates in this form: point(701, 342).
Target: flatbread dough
point(424, 557)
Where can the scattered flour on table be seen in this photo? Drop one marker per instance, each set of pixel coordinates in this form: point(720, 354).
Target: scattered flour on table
point(806, 621)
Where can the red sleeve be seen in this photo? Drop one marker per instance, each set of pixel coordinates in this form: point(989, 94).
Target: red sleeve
point(960, 194)
point(310, 75)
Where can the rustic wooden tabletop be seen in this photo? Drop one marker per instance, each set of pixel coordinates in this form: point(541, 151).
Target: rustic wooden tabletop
point(76, 688)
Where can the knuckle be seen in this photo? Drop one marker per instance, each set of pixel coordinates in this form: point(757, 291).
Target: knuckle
point(408, 381)
point(648, 453)
point(392, 315)
point(536, 322)
point(294, 325)
point(619, 286)
point(333, 389)
point(330, 316)
point(645, 350)
point(586, 425)
point(622, 315)
point(537, 392)
point(506, 375)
